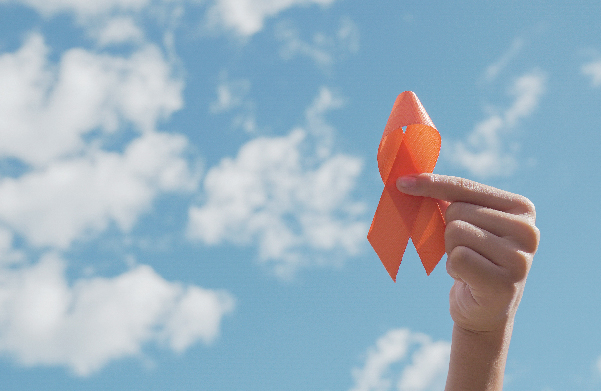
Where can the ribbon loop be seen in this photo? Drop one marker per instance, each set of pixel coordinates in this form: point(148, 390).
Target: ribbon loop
point(400, 216)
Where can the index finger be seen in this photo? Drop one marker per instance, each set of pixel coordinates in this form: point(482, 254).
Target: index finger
point(449, 188)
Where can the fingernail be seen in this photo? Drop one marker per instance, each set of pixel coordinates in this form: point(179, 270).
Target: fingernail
point(406, 182)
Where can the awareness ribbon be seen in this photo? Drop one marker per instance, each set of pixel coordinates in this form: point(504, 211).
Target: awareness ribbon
point(401, 216)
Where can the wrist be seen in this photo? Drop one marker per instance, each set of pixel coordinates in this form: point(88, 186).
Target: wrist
point(499, 335)
point(478, 358)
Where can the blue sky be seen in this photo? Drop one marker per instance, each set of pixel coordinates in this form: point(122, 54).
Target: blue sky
point(186, 188)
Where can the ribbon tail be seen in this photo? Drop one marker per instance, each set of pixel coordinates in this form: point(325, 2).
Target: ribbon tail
point(428, 234)
point(388, 235)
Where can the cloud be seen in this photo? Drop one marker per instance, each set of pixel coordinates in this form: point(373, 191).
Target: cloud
point(323, 133)
point(110, 21)
point(598, 366)
point(428, 370)
point(82, 8)
point(232, 96)
point(322, 49)
point(493, 70)
point(8, 254)
point(79, 196)
point(288, 200)
point(84, 131)
point(425, 363)
point(318, 50)
point(118, 30)
point(46, 109)
point(116, 22)
point(485, 153)
point(56, 120)
point(269, 194)
point(247, 17)
point(593, 70)
point(46, 321)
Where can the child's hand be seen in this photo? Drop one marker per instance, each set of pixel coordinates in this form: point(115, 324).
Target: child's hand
point(490, 240)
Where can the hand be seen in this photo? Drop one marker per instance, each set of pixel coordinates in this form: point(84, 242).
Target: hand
point(490, 240)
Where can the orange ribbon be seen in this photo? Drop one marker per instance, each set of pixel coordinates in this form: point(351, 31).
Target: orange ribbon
point(400, 216)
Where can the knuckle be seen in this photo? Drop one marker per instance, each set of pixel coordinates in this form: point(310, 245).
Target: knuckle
point(454, 228)
point(529, 235)
point(520, 266)
point(526, 207)
point(450, 265)
point(459, 254)
point(452, 234)
point(536, 233)
point(455, 258)
point(532, 239)
point(455, 211)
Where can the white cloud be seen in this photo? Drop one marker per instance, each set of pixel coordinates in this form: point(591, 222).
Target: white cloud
point(493, 70)
point(82, 8)
point(269, 194)
point(107, 20)
point(348, 35)
point(45, 321)
point(598, 366)
point(287, 200)
point(486, 153)
point(73, 187)
point(318, 127)
point(246, 17)
point(428, 370)
point(113, 22)
point(232, 96)
point(119, 30)
point(85, 130)
point(593, 70)
point(322, 49)
point(424, 363)
point(45, 109)
point(8, 255)
point(318, 50)
point(73, 197)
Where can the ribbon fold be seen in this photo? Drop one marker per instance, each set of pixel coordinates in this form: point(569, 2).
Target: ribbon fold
point(400, 216)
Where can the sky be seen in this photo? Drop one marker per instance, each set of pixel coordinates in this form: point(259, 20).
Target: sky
point(186, 188)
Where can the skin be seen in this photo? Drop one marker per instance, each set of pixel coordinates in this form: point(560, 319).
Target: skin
point(490, 240)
